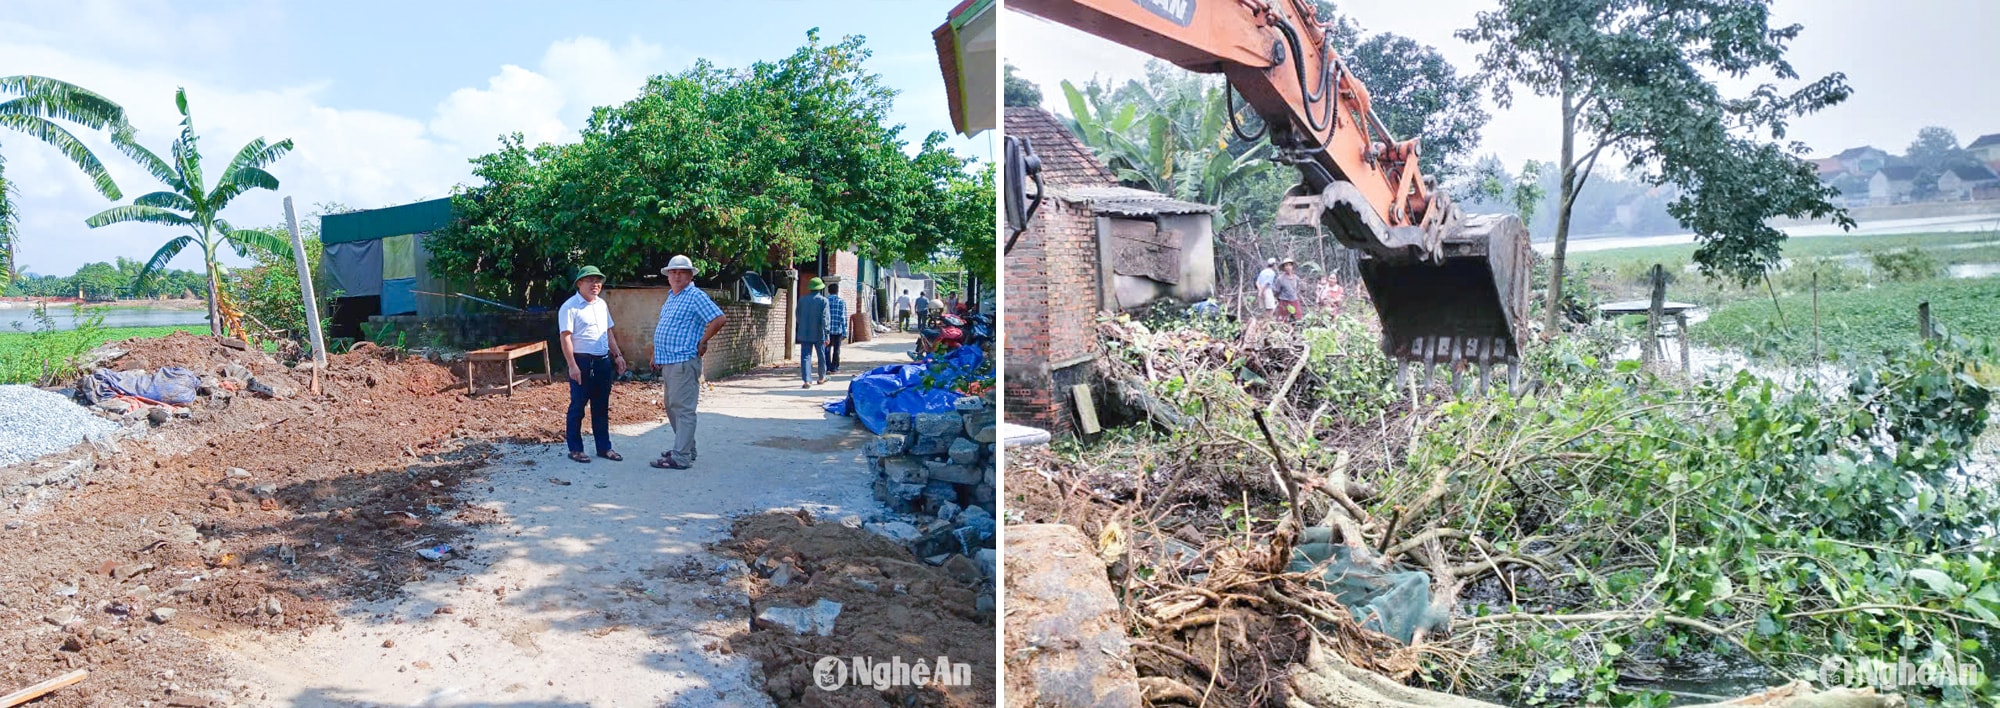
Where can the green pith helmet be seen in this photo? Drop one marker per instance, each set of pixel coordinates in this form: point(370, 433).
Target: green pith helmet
point(586, 272)
point(815, 284)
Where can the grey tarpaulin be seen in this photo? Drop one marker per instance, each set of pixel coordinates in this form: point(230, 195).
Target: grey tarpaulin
point(1395, 603)
point(355, 266)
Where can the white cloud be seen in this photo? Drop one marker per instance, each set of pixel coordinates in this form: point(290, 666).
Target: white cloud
point(362, 158)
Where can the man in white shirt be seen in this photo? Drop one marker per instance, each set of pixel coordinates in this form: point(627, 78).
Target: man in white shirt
point(594, 362)
point(1265, 278)
point(903, 312)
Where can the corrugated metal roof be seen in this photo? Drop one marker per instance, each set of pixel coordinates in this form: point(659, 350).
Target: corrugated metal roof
point(1126, 201)
point(420, 217)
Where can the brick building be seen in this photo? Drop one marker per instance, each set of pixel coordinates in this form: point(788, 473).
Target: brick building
point(1092, 246)
point(753, 336)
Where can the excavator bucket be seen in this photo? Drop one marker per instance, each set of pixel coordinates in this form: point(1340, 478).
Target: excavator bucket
point(1467, 311)
point(1451, 292)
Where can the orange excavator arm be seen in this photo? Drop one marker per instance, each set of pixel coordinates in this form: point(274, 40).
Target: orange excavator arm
point(1448, 290)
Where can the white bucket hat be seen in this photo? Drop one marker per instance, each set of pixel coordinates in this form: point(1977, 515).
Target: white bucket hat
point(1270, 261)
point(680, 263)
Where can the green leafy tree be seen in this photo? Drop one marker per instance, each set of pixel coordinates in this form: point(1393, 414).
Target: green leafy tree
point(1182, 147)
point(269, 290)
point(40, 102)
point(1017, 91)
point(1936, 150)
point(190, 204)
point(739, 169)
point(1638, 78)
point(99, 281)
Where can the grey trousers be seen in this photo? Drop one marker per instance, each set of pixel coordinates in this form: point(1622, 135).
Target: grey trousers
point(682, 381)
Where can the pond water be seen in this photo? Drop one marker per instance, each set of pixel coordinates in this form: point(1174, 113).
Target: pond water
point(18, 317)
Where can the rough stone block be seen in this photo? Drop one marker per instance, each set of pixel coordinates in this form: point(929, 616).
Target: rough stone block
point(889, 445)
point(927, 446)
point(938, 425)
point(898, 422)
point(982, 494)
point(976, 421)
point(1062, 623)
point(969, 404)
point(964, 452)
point(953, 473)
point(903, 470)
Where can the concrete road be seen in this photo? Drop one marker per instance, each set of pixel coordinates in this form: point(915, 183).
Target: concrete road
point(595, 592)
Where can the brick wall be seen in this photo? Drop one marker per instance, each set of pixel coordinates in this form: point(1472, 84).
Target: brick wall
point(1051, 311)
point(754, 334)
point(848, 267)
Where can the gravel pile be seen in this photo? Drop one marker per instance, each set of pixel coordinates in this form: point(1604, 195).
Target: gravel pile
point(34, 423)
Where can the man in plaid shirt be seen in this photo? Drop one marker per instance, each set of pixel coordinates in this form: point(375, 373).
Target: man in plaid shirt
point(836, 328)
point(688, 319)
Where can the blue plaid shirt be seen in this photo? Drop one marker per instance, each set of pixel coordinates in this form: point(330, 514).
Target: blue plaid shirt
point(682, 318)
point(836, 315)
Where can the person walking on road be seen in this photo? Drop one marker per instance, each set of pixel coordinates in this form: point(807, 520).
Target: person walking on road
point(1265, 278)
point(923, 310)
point(584, 325)
point(836, 326)
point(903, 312)
point(1285, 288)
point(688, 320)
point(810, 331)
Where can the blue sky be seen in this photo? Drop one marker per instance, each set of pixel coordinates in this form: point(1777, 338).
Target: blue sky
point(386, 101)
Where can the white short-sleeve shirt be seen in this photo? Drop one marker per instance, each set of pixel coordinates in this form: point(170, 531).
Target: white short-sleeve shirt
point(589, 325)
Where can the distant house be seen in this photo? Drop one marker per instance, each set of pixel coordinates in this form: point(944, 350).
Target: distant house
point(1853, 190)
point(1862, 161)
point(1829, 168)
point(1968, 182)
point(1892, 185)
point(1986, 148)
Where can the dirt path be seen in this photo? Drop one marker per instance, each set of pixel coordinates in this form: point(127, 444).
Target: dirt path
point(594, 587)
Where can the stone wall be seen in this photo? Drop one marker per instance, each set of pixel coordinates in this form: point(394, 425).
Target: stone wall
point(753, 336)
point(936, 474)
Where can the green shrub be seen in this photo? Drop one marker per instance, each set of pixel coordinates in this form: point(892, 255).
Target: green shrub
point(1906, 264)
point(48, 355)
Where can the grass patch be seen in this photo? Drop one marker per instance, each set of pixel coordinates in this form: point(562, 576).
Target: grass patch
point(44, 357)
point(1863, 322)
point(1795, 248)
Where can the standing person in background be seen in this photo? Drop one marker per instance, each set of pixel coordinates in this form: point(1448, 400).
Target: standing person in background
point(836, 326)
point(1331, 294)
point(1285, 288)
point(1265, 278)
point(810, 332)
point(923, 309)
point(688, 320)
point(584, 326)
point(903, 312)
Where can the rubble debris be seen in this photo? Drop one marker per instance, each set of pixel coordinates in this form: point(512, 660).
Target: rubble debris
point(34, 423)
point(815, 619)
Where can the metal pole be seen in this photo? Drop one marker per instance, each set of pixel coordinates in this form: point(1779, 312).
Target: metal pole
point(306, 285)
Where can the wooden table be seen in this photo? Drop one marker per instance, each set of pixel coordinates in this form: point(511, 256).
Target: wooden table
point(505, 355)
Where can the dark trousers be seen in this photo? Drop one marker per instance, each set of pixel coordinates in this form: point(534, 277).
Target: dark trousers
point(596, 391)
point(833, 352)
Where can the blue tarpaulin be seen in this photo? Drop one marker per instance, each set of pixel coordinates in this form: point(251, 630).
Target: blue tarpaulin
point(171, 384)
point(899, 388)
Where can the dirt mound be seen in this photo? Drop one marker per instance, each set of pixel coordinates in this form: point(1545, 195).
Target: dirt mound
point(258, 512)
point(891, 606)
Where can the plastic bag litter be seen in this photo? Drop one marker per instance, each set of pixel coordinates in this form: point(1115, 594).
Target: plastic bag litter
point(171, 384)
point(1395, 603)
point(899, 388)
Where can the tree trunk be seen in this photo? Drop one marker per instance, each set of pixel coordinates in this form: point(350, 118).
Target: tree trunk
point(215, 293)
point(1566, 200)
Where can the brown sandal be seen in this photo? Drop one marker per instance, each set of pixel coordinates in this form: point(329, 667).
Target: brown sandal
point(612, 455)
point(580, 457)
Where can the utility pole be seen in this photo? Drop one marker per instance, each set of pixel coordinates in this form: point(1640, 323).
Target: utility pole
point(306, 287)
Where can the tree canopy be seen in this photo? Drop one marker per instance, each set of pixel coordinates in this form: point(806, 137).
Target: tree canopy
point(1018, 91)
point(740, 169)
point(1638, 78)
point(40, 102)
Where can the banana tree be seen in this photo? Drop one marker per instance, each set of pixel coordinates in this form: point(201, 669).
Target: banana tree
point(40, 102)
point(189, 205)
